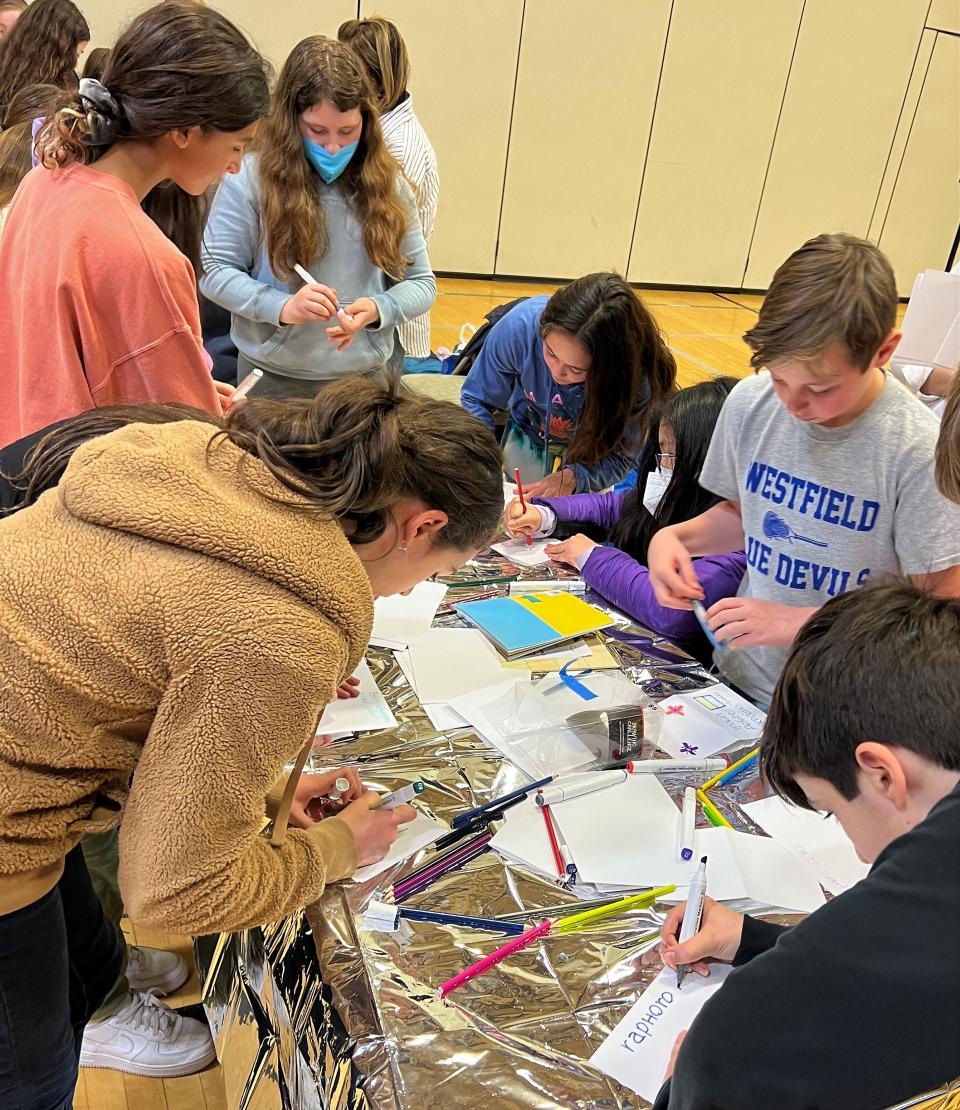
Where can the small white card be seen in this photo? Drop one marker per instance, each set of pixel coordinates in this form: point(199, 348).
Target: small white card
point(518, 552)
point(701, 723)
point(368, 712)
point(637, 1052)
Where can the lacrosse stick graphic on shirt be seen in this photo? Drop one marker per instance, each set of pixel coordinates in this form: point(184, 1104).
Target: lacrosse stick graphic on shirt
point(776, 528)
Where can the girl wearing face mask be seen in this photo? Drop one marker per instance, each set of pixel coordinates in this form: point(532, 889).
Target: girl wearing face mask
point(105, 310)
point(670, 493)
point(580, 374)
point(322, 193)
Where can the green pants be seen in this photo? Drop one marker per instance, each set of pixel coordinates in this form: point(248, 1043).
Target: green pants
point(101, 851)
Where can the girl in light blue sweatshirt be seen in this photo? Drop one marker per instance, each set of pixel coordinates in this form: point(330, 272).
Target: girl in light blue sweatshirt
point(322, 193)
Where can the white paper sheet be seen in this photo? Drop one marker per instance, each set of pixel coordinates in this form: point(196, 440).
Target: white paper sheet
point(367, 713)
point(637, 1052)
point(450, 662)
point(704, 722)
point(818, 841)
point(522, 838)
point(413, 836)
point(740, 865)
point(625, 835)
point(398, 617)
point(442, 717)
point(517, 551)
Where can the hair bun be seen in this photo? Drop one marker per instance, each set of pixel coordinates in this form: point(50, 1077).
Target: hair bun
point(102, 110)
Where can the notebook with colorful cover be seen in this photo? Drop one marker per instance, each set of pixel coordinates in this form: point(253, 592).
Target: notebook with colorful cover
point(524, 623)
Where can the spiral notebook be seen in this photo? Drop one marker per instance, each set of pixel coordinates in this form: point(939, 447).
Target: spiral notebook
point(524, 623)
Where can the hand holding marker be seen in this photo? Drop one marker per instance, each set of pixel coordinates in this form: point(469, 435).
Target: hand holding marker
point(398, 797)
point(693, 914)
point(305, 274)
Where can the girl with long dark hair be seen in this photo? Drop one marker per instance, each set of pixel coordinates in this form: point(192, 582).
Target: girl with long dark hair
point(667, 494)
point(166, 554)
point(580, 373)
point(106, 308)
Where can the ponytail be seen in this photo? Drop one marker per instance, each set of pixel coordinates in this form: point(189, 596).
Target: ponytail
point(176, 66)
point(358, 447)
point(47, 459)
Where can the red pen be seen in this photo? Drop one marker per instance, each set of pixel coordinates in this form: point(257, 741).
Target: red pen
point(523, 504)
point(554, 844)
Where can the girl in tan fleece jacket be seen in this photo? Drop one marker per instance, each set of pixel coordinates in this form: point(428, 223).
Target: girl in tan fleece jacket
point(183, 606)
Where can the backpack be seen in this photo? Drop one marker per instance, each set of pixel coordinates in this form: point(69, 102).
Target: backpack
point(460, 362)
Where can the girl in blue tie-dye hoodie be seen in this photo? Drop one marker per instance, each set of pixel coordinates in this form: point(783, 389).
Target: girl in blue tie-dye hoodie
point(579, 374)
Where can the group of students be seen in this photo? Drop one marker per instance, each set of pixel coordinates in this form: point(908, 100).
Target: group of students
point(183, 589)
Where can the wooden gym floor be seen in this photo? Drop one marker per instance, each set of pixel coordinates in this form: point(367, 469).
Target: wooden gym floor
point(704, 332)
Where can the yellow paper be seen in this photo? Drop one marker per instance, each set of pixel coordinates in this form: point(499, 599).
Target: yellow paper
point(568, 614)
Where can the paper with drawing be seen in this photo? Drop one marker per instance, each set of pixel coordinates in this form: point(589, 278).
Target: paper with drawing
point(704, 722)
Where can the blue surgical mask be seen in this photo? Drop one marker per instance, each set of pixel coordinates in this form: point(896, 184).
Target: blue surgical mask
point(328, 165)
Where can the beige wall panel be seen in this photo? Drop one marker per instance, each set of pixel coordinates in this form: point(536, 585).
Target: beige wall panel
point(463, 57)
point(925, 209)
point(945, 16)
point(274, 29)
point(723, 81)
point(844, 96)
point(905, 123)
point(586, 88)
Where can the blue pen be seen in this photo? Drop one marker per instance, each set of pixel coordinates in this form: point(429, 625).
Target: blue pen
point(735, 771)
point(511, 928)
point(701, 614)
point(497, 803)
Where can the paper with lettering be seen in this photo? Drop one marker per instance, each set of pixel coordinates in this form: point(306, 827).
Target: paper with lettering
point(637, 1052)
point(368, 712)
point(813, 838)
point(703, 722)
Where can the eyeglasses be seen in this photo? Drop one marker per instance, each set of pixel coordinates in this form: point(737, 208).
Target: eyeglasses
point(660, 456)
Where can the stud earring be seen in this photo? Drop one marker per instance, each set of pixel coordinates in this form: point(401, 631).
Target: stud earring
point(404, 548)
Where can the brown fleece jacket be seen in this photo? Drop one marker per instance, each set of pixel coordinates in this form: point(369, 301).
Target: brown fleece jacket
point(161, 617)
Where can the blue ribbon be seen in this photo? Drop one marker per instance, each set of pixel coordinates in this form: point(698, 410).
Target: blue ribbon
point(570, 680)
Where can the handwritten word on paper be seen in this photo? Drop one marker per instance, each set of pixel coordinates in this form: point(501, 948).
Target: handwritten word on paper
point(637, 1051)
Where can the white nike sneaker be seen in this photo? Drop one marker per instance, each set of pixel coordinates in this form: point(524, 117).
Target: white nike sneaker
point(154, 971)
point(145, 1037)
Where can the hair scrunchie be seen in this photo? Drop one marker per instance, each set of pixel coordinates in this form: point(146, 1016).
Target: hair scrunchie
point(102, 109)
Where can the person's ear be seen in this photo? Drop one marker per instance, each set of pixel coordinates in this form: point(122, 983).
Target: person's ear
point(882, 772)
point(421, 525)
point(181, 137)
point(887, 347)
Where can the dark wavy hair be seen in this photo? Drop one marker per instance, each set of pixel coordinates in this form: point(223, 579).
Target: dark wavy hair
point(16, 134)
point(176, 66)
point(692, 415)
point(42, 48)
point(628, 359)
point(358, 446)
point(45, 462)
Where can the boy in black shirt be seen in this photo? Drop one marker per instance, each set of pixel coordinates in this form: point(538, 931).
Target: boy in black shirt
point(857, 1007)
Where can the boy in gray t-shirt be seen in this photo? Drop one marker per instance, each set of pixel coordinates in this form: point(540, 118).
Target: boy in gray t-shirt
point(826, 463)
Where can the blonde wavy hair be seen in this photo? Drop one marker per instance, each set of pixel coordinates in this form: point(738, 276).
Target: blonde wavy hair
point(321, 69)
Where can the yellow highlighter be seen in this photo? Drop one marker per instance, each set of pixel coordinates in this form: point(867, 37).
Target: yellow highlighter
point(613, 909)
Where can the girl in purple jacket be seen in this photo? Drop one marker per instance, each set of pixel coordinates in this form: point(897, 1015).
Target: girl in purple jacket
point(668, 494)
